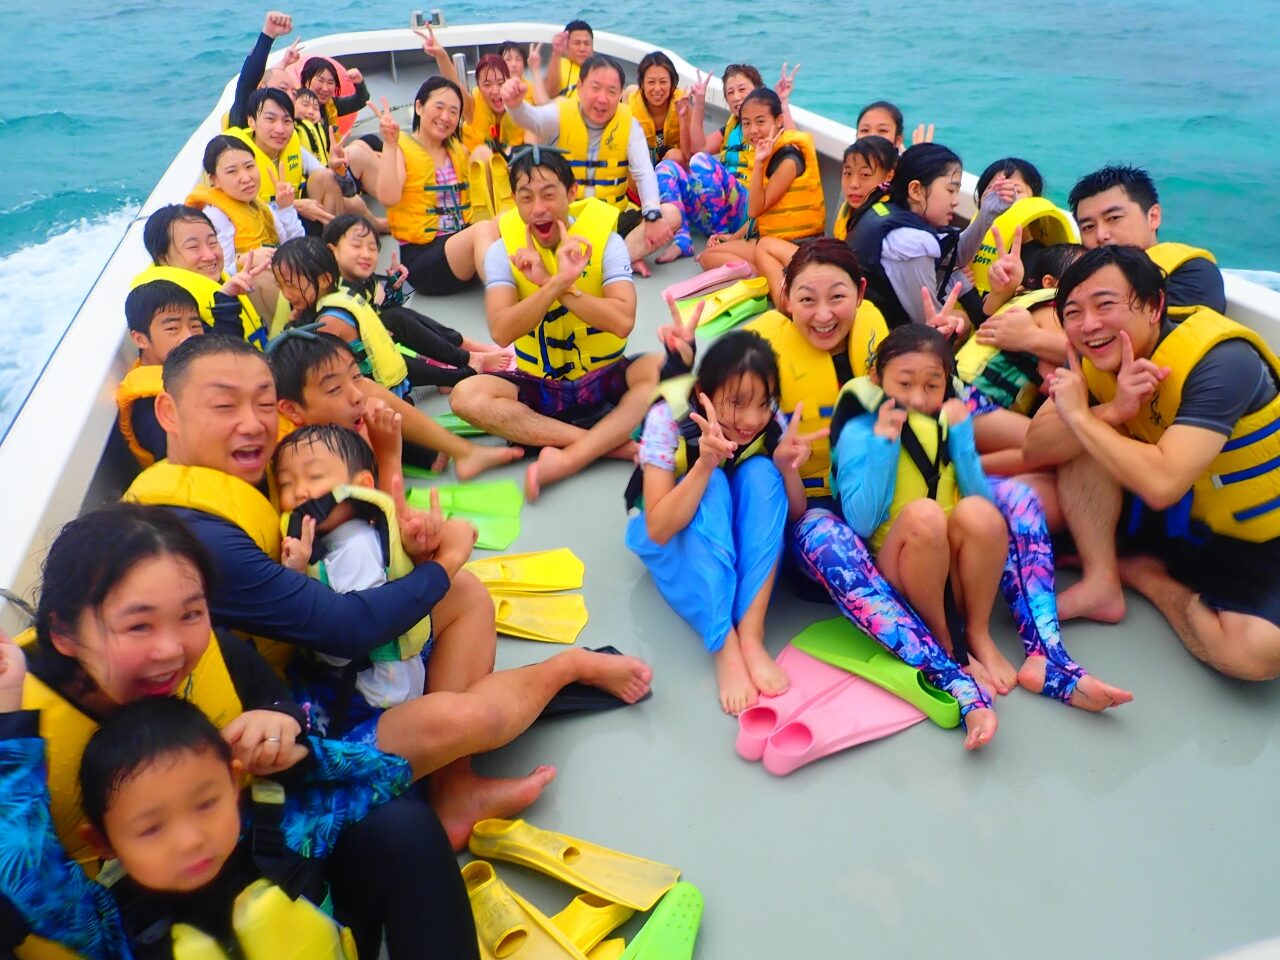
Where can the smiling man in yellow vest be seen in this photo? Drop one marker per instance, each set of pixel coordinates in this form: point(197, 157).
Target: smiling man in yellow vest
point(1180, 422)
point(607, 150)
point(559, 289)
point(218, 409)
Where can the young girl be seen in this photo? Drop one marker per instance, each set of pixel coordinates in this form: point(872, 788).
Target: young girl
point(712, 192)
point(522, 64)
point(718, 473)
point(882, 119)
point(908, 247)
point(653, 103)
point(354, 242)
point(424, 180)
point(229, 199)
point(868, 164)
point(124, 615)
point(308, 277)
point(784, 198)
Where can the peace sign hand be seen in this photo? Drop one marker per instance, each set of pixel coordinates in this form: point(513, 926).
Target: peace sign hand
point(786, 82)
point(889, 421)
point(292, 55)
point(922, 134)
point(764, 150)
point(573, 254)
point(337, 158)
point(698, 92)
point(419, 529)
point(946, 321)
point(387, 126)
point(1136, 381)
point(1006, 272)
point(285, 192)
point(295, 552)
point(535, 56)
point(528, 261)
point(241, 283)
point(430, 45)
point(713, 447)
point(1069, 391)
point(678, 335)
point(794, 447)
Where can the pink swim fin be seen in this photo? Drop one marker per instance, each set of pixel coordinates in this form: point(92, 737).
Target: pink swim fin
point(810, 678)
point(851, 714)
point(709, 280)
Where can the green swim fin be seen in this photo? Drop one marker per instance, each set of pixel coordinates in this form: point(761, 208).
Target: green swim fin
point(418, 473)
point(492, 533)
point(493, 498)
point(588, 919)
point(457, 426)
point(629, 880)
point(841, 644)
point(717, 303)
point(550, 617)
point(609, 950)
point(671, 932)
point(542, 571)
point(507, 925)
point(740, 313)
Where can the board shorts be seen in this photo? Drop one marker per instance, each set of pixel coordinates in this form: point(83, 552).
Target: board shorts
point(582, 402)
point(1231, 575)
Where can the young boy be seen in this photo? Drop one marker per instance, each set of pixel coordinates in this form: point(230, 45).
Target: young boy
point(160, 315)
point(204, 871)
point(327, 486)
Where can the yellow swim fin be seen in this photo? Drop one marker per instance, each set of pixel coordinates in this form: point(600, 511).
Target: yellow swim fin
point(588, 919)
point(610, 874)
point(609, 950)
point(717, 303)
point(503, 198)
point(507, 925)
point(482, 207)
point(543, 571)
point(552, 618)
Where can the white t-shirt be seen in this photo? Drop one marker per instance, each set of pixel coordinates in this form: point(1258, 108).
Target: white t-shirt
point(353, 561)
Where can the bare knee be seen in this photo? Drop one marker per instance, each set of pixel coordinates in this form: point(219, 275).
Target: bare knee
point(978, 517)
point(923, 523)
point(473, 396)
point(1254, 646)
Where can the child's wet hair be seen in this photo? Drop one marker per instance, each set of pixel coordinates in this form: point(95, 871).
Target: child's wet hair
point(343, 223)
point(763, 95)
point(874, 151)
point(342, 442)
point(734, 356)
point(136, 735)
point(1008, 167)
point(305, 93)
point(914, 338)
point(147, 299)
point(925, 162)
point(1053, 261)
point(309, 259)
point(157, 232)
point(215, 148)
point(96, 551)
point(295, 358)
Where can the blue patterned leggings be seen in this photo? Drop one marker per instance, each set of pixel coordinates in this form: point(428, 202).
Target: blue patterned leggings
point(708, 195)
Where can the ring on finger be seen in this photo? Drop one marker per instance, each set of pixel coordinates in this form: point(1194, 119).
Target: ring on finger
point(271, 739)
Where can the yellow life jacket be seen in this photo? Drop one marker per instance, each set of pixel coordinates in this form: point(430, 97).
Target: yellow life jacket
point(138, 383)
point(268, 925)
point(1039, 219)
point(736, 154)
point(254, 224)
point(66, 730)
point(398, 564)
point(222, 495)
point(416, 218)
point(569, 75)
point(1169, 256)
point(1009, 379)
point(1239, 494)
point(608, 173)
point(563, 346)
point(840, 229)
point(315, 135)
point(289, 165)
point(807, 376)
point(923, 445)
point(670, 127)
point(802, 210)
point(485, 125)
point(385, 362)
point(203, 289)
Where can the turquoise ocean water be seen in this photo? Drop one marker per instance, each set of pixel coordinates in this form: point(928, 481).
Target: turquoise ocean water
point(109, 91)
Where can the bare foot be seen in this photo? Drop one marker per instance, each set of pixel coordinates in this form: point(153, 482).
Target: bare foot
point(553, 464)
point(487, 361)
point(981, 677)
point(669, 255)
point(1136, 570)
point(627, 678)
point(737, 692)
point(482, 457)
point(767, 677)
point(981, 726)
point(460, 797)
point(641, 268)
point(1093, 598)
point(1090, 693)
point(1000, 672)
point(440, 464)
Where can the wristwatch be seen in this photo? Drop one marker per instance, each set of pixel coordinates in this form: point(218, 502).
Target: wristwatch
point(652, 216)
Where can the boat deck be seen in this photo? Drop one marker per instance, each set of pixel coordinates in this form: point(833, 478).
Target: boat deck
point(1145, 832)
